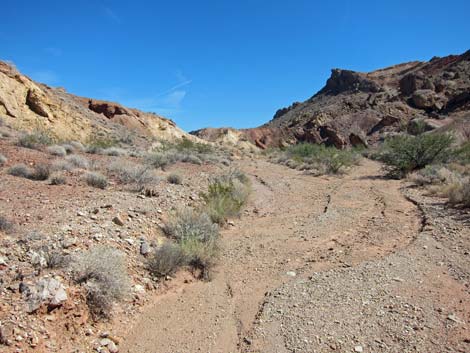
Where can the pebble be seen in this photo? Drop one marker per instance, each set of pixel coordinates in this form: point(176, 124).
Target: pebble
point(291, 273)
point(358, 349)
point(118, 221)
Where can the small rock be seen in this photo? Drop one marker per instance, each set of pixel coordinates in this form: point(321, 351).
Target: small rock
point(291, 273)
point(138, 288)
point(118, 220)
point(358, 349)
point(144, 248)
point(112, 348)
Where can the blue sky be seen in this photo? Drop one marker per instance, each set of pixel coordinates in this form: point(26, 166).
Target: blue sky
point(220, 63)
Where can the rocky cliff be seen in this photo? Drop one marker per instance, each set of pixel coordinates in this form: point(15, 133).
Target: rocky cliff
point(357, 108)
point(28, 105)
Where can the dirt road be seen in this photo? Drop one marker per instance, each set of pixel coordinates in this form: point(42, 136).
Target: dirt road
point(315, 264)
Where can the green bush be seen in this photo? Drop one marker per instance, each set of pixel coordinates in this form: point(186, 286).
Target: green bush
point(56, 150)
point(57, 179)
point(226, 196)
point(200, 255)
point(321, 159)
point(35, 140)
point(404, 154)
point(40, 172)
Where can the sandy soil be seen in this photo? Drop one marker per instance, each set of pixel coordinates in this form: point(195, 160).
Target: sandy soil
point(297, 268)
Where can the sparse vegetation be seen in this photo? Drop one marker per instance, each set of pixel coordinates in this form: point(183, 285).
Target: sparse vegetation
point(96, 144)
point(166, 259)
point(114, 151)
point(78, 161)
point(226, 195)
point(102, 271)
point(19, 170)
point(35, 140)
point(96, 180)
point(197, 237)
point(3, 160)
point(404, 154)
point(5, 225)
point(317, 158)
point(174, 178)
point(68, 148)
point(56, 150)
point(188, 223)
point(57, 179)
point(138, 175)
point(40, 172)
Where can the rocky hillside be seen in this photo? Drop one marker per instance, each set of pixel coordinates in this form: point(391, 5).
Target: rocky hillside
point(29, 105)
point(357, 108)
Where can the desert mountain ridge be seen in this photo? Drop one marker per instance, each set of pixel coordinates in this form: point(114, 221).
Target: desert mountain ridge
point(28, 105)
point(355, 108)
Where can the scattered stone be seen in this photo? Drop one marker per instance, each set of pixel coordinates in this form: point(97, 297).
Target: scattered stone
point(48, 291)
point(291, 273)
point(144, 248)
point(118, 221)
point(358, 349)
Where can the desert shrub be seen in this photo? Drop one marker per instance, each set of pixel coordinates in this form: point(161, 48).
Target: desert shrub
point(162, 159)
point(20, 170)
point(3, 160)
point(97, 143)
point(197, 236)
point(130, 173)
point(191, 158)
point(319, 158)
point(57, 179)
point(102, 271)
point(61, 164)
point(56, 150)
point(76, 145)
point(114, 151)
point(174, 178)
point(462, 154)
point(69, 149)
point(5, 225)
point(40, 172)
point(188, 223)
point(78, 161)
point(459, 193)
point(403, 154)
point(35, 140)
point(96, 180)
point(200, 255)
point(166, 260)
point(226, 196)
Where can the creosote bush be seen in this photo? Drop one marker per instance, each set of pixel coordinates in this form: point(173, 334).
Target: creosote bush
point(102, 271)
point(96, 180)
point(226, 196)
point(317, 158)
point(39, 172)
point(404, 153)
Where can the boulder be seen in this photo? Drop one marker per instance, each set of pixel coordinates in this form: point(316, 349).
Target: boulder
point(424, 99)
point(37, 103)
point(48, 291)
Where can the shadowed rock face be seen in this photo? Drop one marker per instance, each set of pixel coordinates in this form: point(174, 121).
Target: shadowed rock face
point(357, 108)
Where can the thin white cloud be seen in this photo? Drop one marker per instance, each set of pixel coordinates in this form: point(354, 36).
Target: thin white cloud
point(112, 15)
